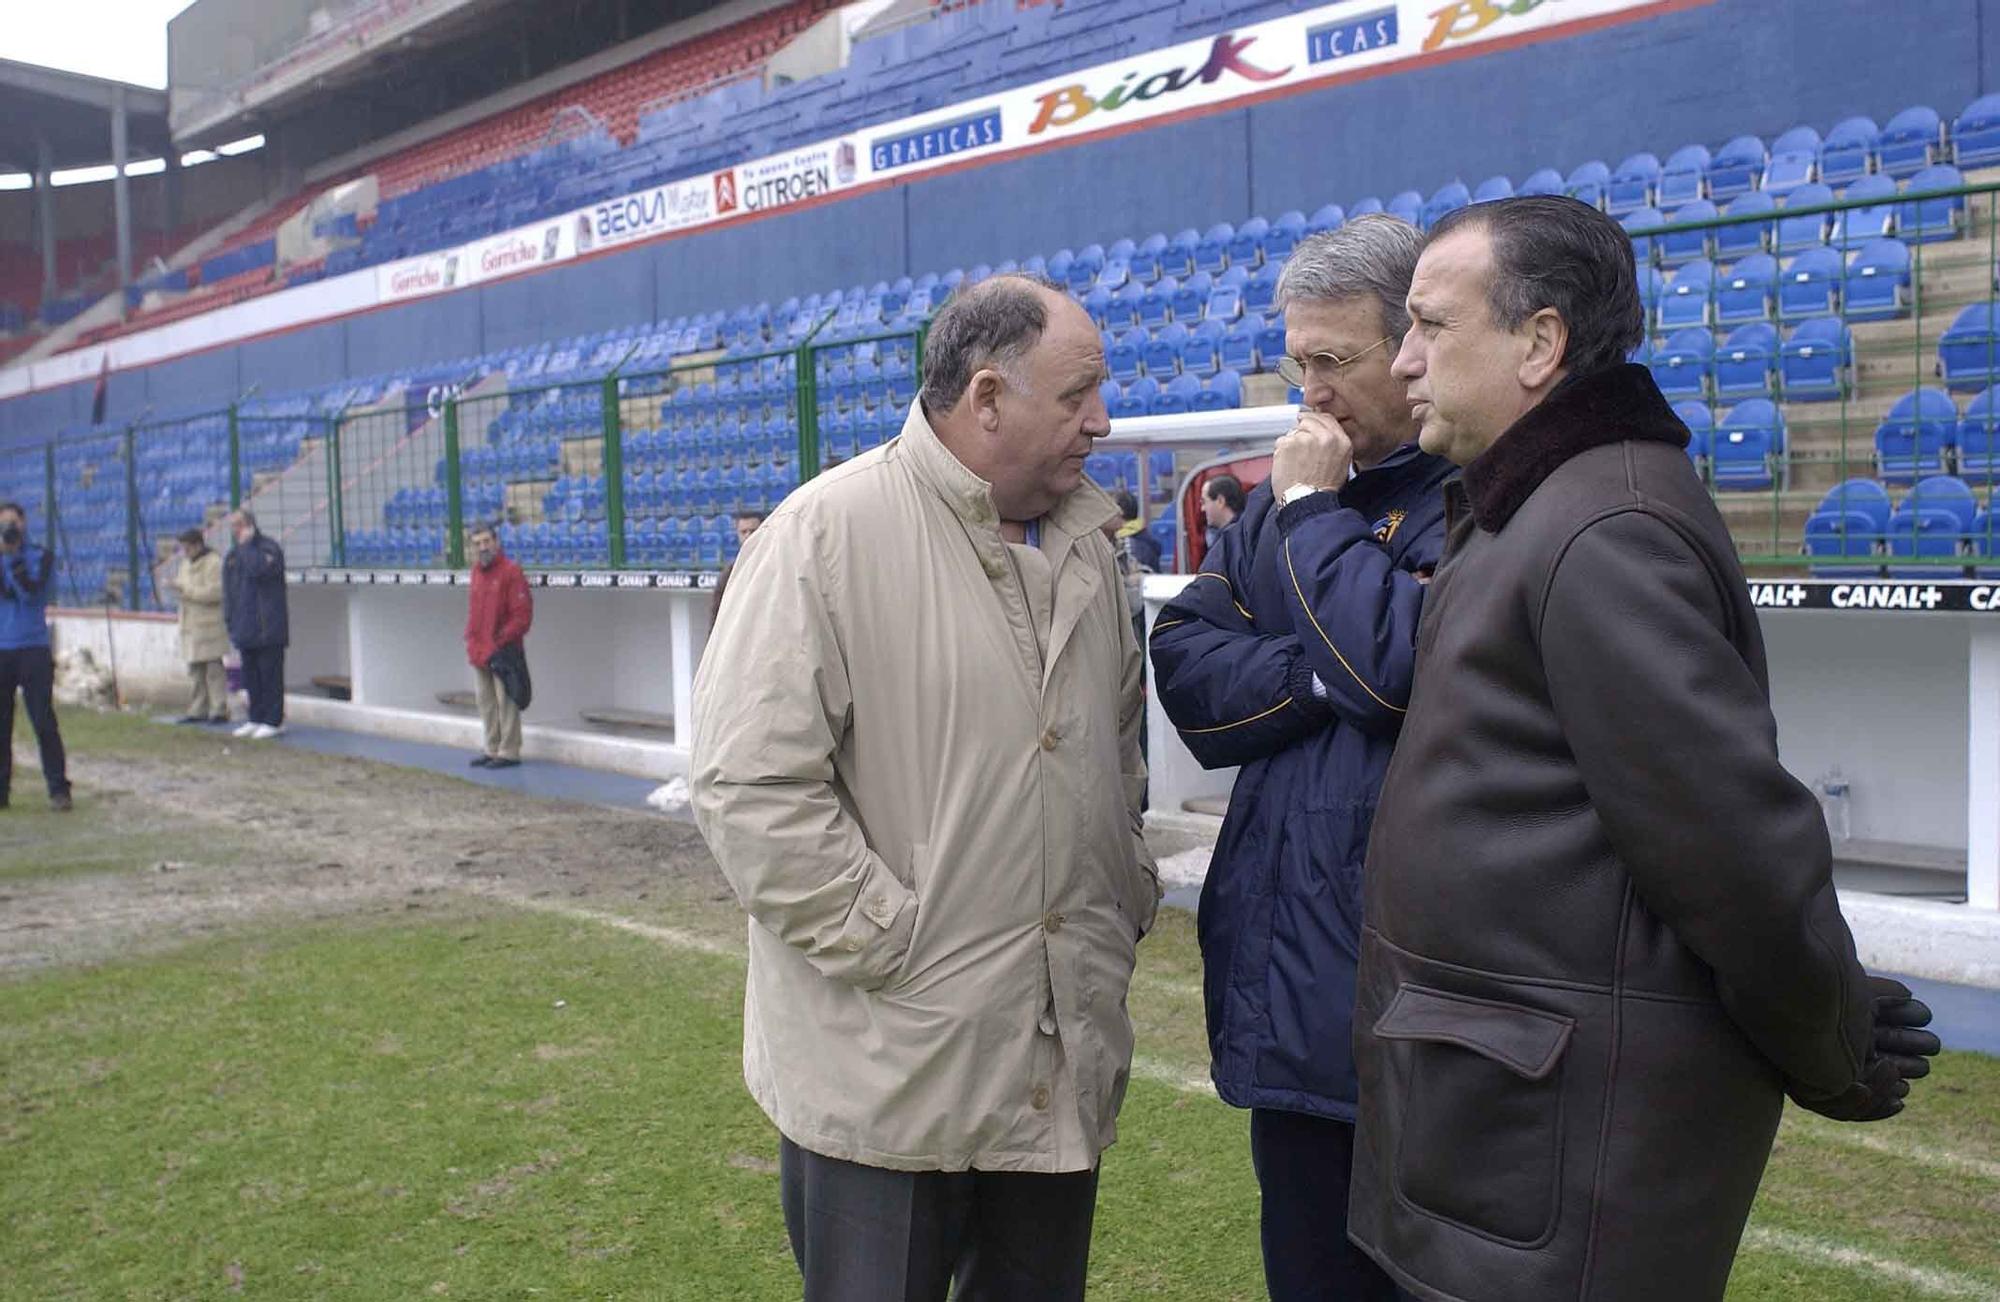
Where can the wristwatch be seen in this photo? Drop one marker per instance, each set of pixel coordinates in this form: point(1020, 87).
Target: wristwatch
point(1299, 492)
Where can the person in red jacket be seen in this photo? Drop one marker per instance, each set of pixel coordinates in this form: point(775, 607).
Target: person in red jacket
point(499, 618)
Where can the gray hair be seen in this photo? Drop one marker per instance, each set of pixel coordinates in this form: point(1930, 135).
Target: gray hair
point(991, 324)
point(1371, 256)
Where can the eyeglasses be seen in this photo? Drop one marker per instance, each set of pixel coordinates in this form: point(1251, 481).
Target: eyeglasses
point(1324, 367)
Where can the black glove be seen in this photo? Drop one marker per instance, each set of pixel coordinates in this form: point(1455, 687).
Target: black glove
point(1901, 1053)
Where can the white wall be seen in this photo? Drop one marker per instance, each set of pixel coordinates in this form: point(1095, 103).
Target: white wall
point(147, 647)
point(1883, 699)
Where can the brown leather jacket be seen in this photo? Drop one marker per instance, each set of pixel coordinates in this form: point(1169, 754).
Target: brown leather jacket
point(1602, 939)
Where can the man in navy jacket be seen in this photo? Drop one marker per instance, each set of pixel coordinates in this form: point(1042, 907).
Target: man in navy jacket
point(1291, 654)
point(27, 575)
point(254, 608)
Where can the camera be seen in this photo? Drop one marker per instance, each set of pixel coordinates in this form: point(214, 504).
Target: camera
point(10, 534)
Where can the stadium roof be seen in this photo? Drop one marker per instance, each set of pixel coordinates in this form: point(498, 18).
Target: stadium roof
point(73, 112)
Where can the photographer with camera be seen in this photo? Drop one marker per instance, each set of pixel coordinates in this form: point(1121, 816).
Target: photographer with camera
point(26, 571)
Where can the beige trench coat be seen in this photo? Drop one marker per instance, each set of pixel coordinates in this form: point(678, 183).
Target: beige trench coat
point(199, 583)
point(937, 840)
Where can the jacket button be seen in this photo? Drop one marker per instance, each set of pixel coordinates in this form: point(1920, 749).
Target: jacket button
point(852, 945)
point(1047, 1025)
point(1049, 740)
point(1052, 922)
point(1040, 1098)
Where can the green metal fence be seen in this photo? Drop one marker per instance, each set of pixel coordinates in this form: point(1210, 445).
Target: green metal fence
point(1834, 360)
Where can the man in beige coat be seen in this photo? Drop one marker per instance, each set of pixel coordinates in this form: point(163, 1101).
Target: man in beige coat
point(917, 761)
point(204, 641)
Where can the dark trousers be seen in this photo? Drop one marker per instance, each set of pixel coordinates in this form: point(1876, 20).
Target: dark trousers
point(32, 672)
point(264, 680)
point(863, 1234)
point(1303, 1164)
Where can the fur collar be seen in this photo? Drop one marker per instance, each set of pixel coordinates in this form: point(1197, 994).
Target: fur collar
point(1613, 406)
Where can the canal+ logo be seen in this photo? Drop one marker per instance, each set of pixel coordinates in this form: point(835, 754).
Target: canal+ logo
point(1229, 55)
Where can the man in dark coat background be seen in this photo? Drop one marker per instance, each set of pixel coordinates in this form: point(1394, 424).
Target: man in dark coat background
point(1602, 942)
point(1290, 654)
point(254, 608)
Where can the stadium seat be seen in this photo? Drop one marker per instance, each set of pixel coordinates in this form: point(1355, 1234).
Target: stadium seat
point(1738, 168)
point(1878, 281)
point(1409, 205)
point(1975, 136)
point(1847, 534)
point(1246, 249)
point(1634, 185)
point(1969, 352)
point(1156, 305)
point(1191, 299)
point(1748, 446)
point(1200, 354)
point(1932, 523)
point(1677, 247)
point(1689, 297)
point(1910, 142)
point(1684, 177)
point(1855, 227)
point(1849, 151)
point(1494, 188)
point(1700, 422)
point(1922, 221)
point(1161, 531)
point(1270, 346)
point(1797, 234)
point(1588, 182)
point(1811, 285)
point(1284, 236)
point(1449, 198)
point(1238, 351)
point(1177, 396)
point(1138, 399)
point(1144, 263)
point(1816, 363)
point(1748, 292)
point(1329, 217)
point(1917, 437)
point(1546, 181)
point(1366, 207)
point(1163, 352)
point(1681, 366)
point(1222, 392)
point(1125, 361)
point(1652, 284)
point(1177, 259)
point(1979, 438)
point(1260, 292)
point(1746, 365)
point(1212, 254)
point(1794, 161)
point(1645, 250)
point(1740, 241)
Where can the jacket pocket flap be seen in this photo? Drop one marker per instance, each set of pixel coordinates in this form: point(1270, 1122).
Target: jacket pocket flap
point(1526, 1041)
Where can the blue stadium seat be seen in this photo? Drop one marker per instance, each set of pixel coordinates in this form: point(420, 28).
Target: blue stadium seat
point(1683, 178)
point(1117, 272)
point(1738, 168)
point(1124, 312)
point(1746, 366)
point(1200, 355)
point(1748, 292)
point(1270, 346)
point(1544, 181)
point(1681, 365)
point(1847, 534)
point(1911, 141)
point(1246, 249)
point(1238, 351)
point(1098, 303)
point(1328, 217)
point(1652, 284)
point(1222, 392)
point(1161, 531)
point(1191, 299)
point(1857, 226)
point(1922, 221)
point(1408, 205)
point(1645, 250)
point(1260, 292)
point(1449, 198)
point(1176, 396)
point(1138, 399)
point(1120, 250)
point(1212, 254)
point(1145, 259)
point(1366, 207)
point(1811, 285)
point(1794, 161)
point(1979, 438)
point(1797, 234)
point(1284, 236)
point(1969, 352)
point(1499, 187)
point(1589, 183)
point(1917, 437)
point(1975, 136)
point(1878, 281)
point(1689, 297)
point(1178, 258)
point(1932, 523)
point(1156, 305)
point(1748, 446)
point(1700, 422)
point(1678, 247)
point(1733, 242)
point(1634, 185)
point(1163, 352)
point(1125, 361)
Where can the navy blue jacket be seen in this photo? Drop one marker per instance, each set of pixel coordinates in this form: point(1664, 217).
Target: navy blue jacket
point(1322, 589)
point(253, 595)
point(26, 578)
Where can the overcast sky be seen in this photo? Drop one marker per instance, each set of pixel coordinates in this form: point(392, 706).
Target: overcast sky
point(125, 40)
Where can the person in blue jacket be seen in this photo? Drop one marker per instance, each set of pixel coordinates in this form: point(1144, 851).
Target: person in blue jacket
point(1290, 654)
point(27, 573)
point(253, 607)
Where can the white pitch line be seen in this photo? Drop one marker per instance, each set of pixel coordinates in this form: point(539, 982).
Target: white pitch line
point(1165, 1073)
point(1927, 1280)
point(1848, 1136)
point(673, 937)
